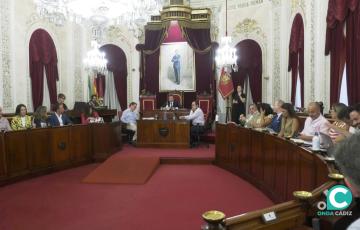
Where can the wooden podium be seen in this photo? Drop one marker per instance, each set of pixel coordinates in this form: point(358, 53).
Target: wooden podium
point(163, 133)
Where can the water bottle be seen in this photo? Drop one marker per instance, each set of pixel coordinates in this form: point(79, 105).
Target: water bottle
point(316, 142)
point(217, 118)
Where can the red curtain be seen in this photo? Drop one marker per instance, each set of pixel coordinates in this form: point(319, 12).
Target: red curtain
point(42, 55)
point(296, 57)
point(250, 64)
point(118, 65)
point(199, 39)
point(343, 49)
point(353, 55)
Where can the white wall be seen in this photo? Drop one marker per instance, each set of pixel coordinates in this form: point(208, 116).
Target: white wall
point(266, 21)
point(18, 21)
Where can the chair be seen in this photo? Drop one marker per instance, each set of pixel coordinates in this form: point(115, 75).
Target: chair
point(147, 103)
point(178, 96)
point(206, 102)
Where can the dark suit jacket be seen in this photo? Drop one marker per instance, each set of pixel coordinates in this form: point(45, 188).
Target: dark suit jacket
point(276, 124)
point(175, 104)
point(53, 120)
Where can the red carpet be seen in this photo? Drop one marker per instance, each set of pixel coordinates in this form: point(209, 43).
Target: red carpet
point(173, 198)
point(124, 170)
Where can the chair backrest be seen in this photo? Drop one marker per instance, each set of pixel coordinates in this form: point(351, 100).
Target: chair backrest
point(178, 96)
point(147, 102)
point(206, 105)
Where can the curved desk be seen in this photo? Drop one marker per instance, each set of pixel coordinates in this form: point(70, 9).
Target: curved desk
point(274, 165)
point(277, 167)
point(33, 152)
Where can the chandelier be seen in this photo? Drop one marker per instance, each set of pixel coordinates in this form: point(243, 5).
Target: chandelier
point(225, 54)
point(95, 60)
point(132, 13)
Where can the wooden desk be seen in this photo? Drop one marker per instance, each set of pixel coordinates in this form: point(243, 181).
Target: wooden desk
point(168, 113)
point(27, 153)
point(106, 114)
point(163, 133)
point(276, 166)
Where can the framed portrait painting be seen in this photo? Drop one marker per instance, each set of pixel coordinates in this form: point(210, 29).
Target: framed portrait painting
point(177, 67)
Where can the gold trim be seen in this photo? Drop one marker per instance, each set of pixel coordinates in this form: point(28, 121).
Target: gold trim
point(302, 195)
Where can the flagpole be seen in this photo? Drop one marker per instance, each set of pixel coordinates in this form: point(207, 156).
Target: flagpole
point(227, 110)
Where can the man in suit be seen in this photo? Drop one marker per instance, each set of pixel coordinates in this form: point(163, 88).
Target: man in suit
point(171, 103)
point(276, 121)
point(59, 118)
point(176, 65)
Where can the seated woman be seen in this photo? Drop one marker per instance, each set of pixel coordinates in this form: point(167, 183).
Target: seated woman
point(266, 116)
point(21, 120)
point(41, 119)
point(289, 122)
point(88, 115)
point(4, 123)
point(339, 112)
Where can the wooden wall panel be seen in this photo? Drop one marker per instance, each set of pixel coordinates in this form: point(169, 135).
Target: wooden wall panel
point(38, 147)
point(80, 148)
point(60, 147)
point(275, 165)
point(3, 170)
point(17, 155)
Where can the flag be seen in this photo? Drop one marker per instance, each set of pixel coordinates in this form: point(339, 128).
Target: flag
point(226, 86)
point(92, 86)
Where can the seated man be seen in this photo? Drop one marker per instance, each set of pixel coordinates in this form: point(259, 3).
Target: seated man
point(171, 103)
point(252, 116)
point(93, 103)
point(347, 158)
point(129, 117)
point(276, 121)
point(59, 118)
point(198, 121)
point(314, 123)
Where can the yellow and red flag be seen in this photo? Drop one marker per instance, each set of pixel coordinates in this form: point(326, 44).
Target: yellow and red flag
point(226, 86)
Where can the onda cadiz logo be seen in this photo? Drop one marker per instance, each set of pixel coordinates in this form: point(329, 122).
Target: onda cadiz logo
point(338, 198)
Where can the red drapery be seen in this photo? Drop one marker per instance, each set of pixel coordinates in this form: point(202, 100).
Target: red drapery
point(42, 54)
point(250, 64)
point(353, 55)
point(118, 65)
point(343, 48)
point(198, 39)
point(296, 57)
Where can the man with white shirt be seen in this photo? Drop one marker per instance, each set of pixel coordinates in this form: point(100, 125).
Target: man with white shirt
point(129, 117)
point(197, 119)
point(314, 123)
point(59, 118)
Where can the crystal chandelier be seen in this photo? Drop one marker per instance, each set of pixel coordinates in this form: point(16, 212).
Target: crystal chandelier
point(95, 60)
point(132, 14)
point(225, 54)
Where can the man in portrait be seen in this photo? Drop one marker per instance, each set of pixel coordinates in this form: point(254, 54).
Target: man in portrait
point(176, 65)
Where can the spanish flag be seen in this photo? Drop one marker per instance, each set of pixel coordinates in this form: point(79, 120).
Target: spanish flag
point(92, 86)
point(226, 86)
